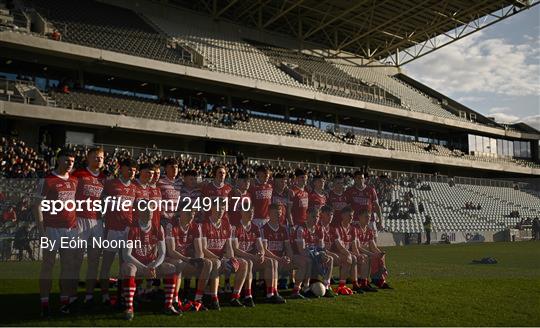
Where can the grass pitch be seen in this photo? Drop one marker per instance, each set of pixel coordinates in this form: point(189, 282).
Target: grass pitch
point(434, 286)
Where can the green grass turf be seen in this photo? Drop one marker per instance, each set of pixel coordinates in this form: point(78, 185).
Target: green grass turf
point(434, 286)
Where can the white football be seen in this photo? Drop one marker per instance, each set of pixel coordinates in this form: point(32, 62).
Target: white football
point(318, 289)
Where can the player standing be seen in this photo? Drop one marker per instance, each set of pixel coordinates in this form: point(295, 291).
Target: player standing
point(336, 197)
point(117, 222)
point(57, 185)
point(359, 196)
point(90, 180)
point(280, 196)
point(317, 197)
point(170, 191)
point(261, 195)
point(241, 193)
point(298, 201)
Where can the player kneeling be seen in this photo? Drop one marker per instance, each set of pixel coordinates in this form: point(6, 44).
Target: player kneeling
point(145, 260)
point(247, 244)
point(216, 242)
point(184, 251)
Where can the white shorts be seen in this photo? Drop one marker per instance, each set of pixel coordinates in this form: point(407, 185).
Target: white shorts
point(56, 235)
point(89, 228)
point(117, 235)
point(260, 222)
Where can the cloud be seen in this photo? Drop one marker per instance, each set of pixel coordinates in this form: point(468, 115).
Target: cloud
point(533, 120)
point(504, 118)
point(499, 110)
point(476, 64)
point(470, 99)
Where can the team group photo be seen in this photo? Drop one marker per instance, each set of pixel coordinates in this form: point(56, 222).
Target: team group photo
point(269, 163)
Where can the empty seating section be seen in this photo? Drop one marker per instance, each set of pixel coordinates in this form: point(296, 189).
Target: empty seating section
point(223, 49)
point(411, 98)
point(446, 206)
point(97, 25)
point(324, 75)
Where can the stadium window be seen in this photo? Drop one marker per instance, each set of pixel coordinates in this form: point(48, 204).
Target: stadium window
point(462, 114)
point(500, 147)
point(472, 143)
point(472, 117)
point(479, 146)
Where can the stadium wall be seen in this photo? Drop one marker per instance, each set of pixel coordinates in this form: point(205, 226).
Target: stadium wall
point(386, 239)
point(100, 120)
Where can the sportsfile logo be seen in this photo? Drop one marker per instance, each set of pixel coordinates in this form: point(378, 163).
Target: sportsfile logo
point(124, 204)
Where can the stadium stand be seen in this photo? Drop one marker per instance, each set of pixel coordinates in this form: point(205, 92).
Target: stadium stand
point(95, 24)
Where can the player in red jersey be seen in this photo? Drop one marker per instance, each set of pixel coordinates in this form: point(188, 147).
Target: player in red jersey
point(170, 191)
point(336, 197)
point(184, 251)
point(298, 201)
point(309, 239)
point(146, 260)
point(190, 189)
point(345, 246)
point(368, 246)
point(317, 196)
point(240, 191)
point(155, 193)
point(217, 247)
point(57, 185)
point(247, 244)
point(90, 181)
point(376, 221)
point(217, 187)
point(280, 195)
point(142, 183)
point(359, 196)
point(117, 222)
point(277, 246)
point(261, 195)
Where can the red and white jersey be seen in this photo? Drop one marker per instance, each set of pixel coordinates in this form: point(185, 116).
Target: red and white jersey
point(142, 192)
point(281, 199)
point(275, 237)
point(170, 191)
point(184, 238)
point(192, 194)
point(359, 199)
point(317, 200)
point(124, 192)
point(216, 235)
point(261, 195)
point(89, 186)
point(365, 236)
point(328, 235)
point(247, 236)
point(338, 202)
point(150, 239)
point(299, 201)
point(55, 187)
point(212, 190)
point(347, 235)
point(235, 214)
point(155, 195)
point(311, 236)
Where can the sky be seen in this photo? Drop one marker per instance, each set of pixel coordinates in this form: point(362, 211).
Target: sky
point(495, 71)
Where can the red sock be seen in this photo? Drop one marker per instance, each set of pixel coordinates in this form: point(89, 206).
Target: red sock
point(296, 290)
point(274, 290)
point(247, 293)
point(269, 291)
point(342, 283)
point(169, 290)
point(215, 298)
point(235, 295)
point(44, 302)
point(64, 300)
point(128, 290)
point(363, 282)
point(198, 295)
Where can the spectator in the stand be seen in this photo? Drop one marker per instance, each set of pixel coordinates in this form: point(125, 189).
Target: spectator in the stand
point(9, 215)
point(478, 207)
point(427, 229)
point(451, 182)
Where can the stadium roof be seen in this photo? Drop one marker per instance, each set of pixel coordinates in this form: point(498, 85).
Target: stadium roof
point(390, 31)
